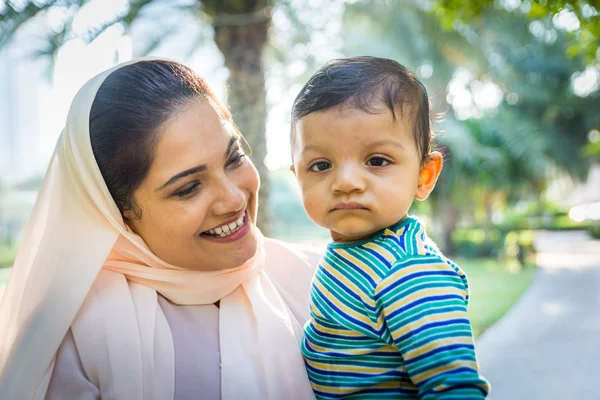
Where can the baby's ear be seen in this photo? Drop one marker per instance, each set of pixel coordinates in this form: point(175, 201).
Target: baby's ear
point(429, 175)
point(293, 169)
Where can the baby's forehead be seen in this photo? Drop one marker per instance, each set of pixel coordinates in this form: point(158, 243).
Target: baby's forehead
point(350, 125)
point(376, 115)
point(375, 107)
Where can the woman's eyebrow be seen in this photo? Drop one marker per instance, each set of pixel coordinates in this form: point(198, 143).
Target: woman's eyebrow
point(197, 169)
point(230, 145)
point(183, 174)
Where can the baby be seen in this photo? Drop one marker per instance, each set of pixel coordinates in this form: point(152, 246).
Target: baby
point(388, 310)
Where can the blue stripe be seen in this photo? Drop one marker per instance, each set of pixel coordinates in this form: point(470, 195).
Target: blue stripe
point(412, 276)
point(340, 312)
point(354, 267)
point(423, 300)
point(430, 325)
point(442, 349)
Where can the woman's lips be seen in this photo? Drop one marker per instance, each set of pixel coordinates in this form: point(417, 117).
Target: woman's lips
point(228, 226)
point(240, 232)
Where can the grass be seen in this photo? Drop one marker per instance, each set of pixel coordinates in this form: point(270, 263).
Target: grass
point(495, 288)
point(7, 254)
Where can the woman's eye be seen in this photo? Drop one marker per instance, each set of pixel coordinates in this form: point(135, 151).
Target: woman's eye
point(236, 159)
point(320, 166)
point(377, 162)
point(187, 190)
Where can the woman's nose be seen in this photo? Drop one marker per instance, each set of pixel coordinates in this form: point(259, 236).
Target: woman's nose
point(230, 198)
point(348, 179)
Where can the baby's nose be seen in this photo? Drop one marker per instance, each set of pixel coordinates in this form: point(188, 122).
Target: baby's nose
point(349, 178)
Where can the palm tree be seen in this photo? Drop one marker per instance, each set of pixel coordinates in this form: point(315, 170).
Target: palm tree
point(510, 150)
point(240, 32)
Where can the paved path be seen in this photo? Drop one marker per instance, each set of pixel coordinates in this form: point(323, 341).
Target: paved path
point(548, 346)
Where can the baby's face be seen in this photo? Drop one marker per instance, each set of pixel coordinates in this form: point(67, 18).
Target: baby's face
point(358, 172)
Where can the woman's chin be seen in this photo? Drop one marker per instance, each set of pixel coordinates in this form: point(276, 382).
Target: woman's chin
point(228, 254)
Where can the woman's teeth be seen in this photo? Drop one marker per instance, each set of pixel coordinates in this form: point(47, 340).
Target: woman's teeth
point(227, 229)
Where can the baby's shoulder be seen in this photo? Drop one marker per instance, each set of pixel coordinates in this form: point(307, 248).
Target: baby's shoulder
point(418, 253)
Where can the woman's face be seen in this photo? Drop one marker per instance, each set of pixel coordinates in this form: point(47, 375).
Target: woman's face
point(199, 198)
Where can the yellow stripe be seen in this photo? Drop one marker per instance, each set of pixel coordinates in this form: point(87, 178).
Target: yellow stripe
point(420, 243)
point(443, 369)
point(382, 251)
point(349, 257)
point(316, 312)
point(412, 353)
point(361, 369)
point(342, 332)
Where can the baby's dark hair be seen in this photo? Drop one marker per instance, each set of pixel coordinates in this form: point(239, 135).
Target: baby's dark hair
point(364, 83)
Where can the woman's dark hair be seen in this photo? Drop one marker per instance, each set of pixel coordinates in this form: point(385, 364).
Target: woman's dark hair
point(365, 83)
point(131, 106)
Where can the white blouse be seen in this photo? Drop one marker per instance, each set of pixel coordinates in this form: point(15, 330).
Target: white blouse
point(195, 332)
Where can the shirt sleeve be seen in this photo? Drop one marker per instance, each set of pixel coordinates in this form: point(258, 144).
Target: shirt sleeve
point(423, 304)
point(69, 380)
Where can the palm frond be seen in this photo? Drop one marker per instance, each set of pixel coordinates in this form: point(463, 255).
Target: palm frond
point(13, 17)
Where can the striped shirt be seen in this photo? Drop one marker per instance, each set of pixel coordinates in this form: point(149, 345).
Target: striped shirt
point(389, 320)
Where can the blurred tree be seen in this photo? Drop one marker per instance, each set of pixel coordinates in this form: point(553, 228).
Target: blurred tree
point(240, 32)
point(502, 152)
point(580, 18)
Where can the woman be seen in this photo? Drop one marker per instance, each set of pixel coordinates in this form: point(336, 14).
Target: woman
point(142, 274)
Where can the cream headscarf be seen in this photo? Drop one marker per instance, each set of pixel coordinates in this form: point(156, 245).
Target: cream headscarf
point(80, 267)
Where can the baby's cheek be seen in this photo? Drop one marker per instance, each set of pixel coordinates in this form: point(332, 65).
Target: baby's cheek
point(315, 209)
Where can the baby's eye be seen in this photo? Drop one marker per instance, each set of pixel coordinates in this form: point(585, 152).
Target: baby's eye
point(377, 162)
point(320, 166)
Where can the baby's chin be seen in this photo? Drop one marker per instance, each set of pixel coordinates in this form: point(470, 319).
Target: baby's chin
point(355, 229)
point(353, 234)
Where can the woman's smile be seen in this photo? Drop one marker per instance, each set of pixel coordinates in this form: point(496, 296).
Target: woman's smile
point(230, 231)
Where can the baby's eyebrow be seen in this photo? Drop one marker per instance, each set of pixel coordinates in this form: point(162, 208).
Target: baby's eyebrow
point(383, 142)
point(312, 147)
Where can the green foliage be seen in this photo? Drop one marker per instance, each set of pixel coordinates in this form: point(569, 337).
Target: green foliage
point(510, 240)
point(8, 252)
point(515, 245)
point(594, 230)
point(591, 150)
point(474, 243)
point(583, 41)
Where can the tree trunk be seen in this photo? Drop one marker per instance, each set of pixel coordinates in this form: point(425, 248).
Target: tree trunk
point(488, 223)
point(242, 46)
point(449, 223)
